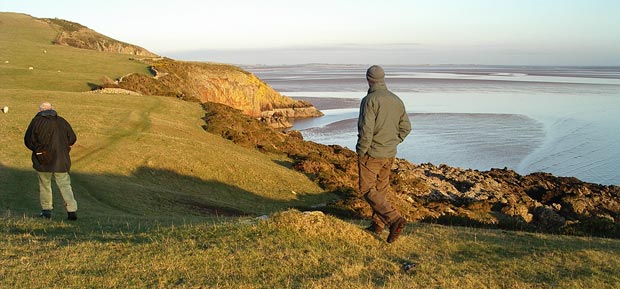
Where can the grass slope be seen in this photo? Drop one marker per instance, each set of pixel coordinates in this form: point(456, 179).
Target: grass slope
point(135, 154)
point(150, 183)
point(293, 250)
point(27, 42)
point(147, 156)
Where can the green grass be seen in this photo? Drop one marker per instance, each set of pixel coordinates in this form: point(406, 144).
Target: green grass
point(155, 194)
point(28, 43)
point(292, 250)
point(147, 156)
point(137, 155)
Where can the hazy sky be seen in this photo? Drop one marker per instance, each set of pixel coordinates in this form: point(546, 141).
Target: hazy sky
point(529, 32)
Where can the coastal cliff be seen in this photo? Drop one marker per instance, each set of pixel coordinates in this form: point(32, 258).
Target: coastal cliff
point(79, 36)
point(219, 83)
point(191, 81)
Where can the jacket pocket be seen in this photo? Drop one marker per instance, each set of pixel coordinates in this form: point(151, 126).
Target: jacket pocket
point(44, 157)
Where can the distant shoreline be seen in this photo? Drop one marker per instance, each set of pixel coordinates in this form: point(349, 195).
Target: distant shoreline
point(325, 103)
point(604, 72)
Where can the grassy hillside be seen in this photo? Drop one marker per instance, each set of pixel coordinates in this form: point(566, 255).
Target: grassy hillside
point(135, 154)
point(27, 42)
point(157, 195)
point(147, 156)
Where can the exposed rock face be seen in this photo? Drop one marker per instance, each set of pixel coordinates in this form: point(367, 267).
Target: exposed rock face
point(79, 36)
point(219, 83)
point(496, 198)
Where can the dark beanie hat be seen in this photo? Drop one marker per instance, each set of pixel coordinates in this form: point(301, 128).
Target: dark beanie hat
point(375, 73)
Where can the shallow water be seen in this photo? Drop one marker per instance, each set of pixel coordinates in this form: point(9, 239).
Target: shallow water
point(565, 121)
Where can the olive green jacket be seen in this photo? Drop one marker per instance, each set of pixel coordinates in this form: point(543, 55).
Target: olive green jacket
point(383, 123)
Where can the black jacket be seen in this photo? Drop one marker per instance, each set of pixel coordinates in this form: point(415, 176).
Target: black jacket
point(51, 133)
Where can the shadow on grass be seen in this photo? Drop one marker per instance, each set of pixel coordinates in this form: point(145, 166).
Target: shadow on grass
point(286, 164)
point(543, 257)
point(148, 195)
point(592, 226)
point(93, 86)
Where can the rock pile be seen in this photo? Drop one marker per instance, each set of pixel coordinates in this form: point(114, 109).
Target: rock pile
point(502, 197)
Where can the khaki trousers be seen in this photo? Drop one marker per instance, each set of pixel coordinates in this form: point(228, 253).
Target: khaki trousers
point(45, 190)
point(374, 183)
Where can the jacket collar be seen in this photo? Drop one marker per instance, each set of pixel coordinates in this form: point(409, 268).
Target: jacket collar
point(47, 113)
point(377, 86)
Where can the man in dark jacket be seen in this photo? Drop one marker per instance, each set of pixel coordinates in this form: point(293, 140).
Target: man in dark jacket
point(50, 138)
point(382, 125)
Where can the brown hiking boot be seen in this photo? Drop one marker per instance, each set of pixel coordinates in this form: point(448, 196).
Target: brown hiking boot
point(375, 228)
point(395, 229)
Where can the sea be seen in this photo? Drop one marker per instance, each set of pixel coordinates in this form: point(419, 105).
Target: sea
point(560, 120)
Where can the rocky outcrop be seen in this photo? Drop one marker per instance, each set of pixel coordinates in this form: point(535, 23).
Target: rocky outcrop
point(503, 197)
point(279, 117)
point(498, 198)
point(219, 83)
point(79, 36)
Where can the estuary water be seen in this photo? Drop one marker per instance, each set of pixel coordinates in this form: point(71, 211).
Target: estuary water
point(561, 120)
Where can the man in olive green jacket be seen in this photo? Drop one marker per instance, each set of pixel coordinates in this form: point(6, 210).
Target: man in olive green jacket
point(383, 124)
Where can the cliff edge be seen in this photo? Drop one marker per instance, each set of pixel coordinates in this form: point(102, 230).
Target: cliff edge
point(79, 36)
point(219, 83)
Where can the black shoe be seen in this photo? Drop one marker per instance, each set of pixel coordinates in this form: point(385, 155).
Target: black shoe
point(71, 216)
point(395, 229)
point(375, 228)
point(46, 214)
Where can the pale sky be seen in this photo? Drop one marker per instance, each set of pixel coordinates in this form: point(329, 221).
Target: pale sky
point(521, 32)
